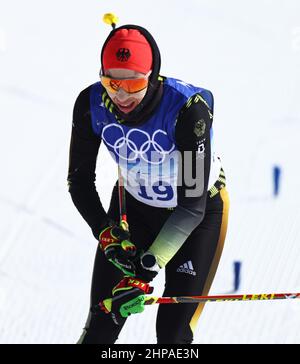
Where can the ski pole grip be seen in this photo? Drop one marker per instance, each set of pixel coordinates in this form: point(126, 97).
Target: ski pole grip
point(104, 305)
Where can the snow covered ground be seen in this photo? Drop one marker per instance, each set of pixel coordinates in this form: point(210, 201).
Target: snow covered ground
point(248, 54)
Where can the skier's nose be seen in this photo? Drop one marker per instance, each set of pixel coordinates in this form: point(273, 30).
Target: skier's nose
point(122, 95)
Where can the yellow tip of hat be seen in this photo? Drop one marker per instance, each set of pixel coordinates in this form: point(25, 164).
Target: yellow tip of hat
point(110, 18)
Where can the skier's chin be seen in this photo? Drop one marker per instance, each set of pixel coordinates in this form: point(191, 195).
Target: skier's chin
point(126, 107)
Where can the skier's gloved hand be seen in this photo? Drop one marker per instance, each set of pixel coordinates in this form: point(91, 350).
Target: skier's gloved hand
point(128, 297)
point(114, 242)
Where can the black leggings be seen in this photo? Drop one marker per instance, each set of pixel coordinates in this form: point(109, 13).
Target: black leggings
point(190, 272)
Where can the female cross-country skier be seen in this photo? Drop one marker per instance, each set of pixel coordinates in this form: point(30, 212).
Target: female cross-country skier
point(159, 132)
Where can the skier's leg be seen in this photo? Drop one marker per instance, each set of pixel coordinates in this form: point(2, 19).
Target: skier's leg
point(191, 272)
point(100, 328)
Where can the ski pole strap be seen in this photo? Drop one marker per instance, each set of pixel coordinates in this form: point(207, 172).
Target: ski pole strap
point(128, 282)
point(124, 223)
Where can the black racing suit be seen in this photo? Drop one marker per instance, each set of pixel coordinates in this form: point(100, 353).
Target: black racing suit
point(201, 220)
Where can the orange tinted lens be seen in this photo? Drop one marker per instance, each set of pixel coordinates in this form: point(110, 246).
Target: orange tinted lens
point(110, 84)
point(129, 85)
point(134, 85)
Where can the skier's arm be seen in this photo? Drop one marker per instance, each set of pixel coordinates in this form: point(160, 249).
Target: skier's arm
point(84, 148)
point(192, 134)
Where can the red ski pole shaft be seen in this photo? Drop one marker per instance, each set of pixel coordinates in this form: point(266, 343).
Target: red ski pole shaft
point(151, 300)
point(122, 201)
point(222, 298)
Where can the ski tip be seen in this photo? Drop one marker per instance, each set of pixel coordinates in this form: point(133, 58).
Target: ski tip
point(110, 19)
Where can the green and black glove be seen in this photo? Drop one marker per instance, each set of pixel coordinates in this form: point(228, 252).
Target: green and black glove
point(128, 297)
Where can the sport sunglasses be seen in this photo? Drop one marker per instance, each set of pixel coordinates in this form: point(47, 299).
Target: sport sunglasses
point(129, 85)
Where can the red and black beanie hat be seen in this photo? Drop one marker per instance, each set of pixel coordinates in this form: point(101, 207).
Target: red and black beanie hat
point(131, 47)
point(128, 49)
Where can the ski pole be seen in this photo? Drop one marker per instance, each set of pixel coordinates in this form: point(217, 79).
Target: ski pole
point(222, 298)
point(151, 300)
point(122, 201)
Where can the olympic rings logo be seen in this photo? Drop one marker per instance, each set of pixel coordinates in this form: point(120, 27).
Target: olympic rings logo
point(138, 143)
